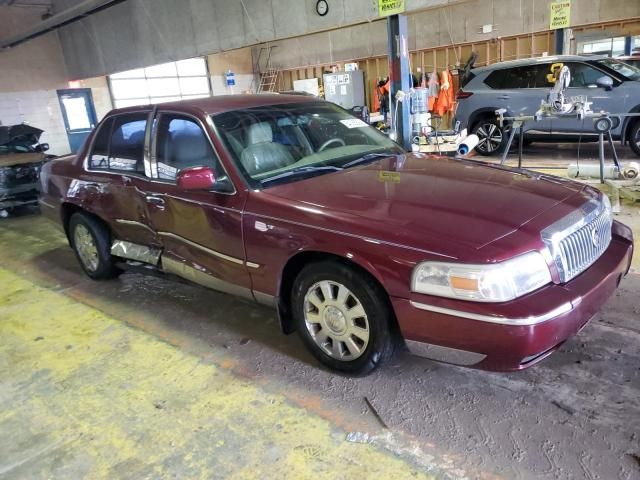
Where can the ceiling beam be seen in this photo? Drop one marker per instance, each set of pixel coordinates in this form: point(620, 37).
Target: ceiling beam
point(65, 17)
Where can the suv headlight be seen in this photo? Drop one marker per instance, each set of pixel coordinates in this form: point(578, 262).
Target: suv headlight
point(496, 282)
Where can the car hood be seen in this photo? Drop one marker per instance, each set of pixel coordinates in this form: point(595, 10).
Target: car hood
point(426, 202)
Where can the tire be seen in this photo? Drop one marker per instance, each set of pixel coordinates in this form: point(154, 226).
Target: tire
point(634, 137)
point(497, 138)
point(333, 330)
point(91, 242)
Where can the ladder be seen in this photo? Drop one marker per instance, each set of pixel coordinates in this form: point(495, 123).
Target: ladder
point(268, 76)
point(268, 80)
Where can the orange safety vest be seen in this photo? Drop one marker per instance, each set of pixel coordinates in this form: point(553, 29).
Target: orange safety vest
point(446, 100)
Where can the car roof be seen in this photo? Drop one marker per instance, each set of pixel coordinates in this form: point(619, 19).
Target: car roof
point(532, 61)
point(222, 103)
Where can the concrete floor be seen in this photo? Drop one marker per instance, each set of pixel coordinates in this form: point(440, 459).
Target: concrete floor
point(144, 378)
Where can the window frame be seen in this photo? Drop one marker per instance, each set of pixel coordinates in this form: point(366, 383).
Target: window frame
point(616, 81)
point(147, 100)
point(153, 159)
point(505, 75)
point(87, 159)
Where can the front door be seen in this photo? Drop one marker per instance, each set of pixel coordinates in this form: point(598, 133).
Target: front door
point(200, 231)
point(584, 79)
point(79, 115)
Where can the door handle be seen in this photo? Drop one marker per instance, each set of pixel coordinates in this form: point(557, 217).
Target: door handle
point(155, 200)
point(504, 97)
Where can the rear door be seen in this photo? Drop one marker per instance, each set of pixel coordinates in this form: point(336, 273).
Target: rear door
point(200, 231)
point(520, 90)
point(115, 177)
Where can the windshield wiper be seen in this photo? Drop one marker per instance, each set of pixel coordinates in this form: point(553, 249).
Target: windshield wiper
point(368, 157)
point(301, 170)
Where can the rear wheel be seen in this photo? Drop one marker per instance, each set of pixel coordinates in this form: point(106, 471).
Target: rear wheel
point(91, 242)
point(342, 317)
point(634, 137)
point(492, 138)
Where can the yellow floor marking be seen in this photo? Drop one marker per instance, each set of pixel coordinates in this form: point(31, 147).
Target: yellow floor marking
point(85, 396)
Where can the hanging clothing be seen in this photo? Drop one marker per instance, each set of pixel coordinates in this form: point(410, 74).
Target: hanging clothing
point(434, 90)
point(446, 99)
point(382, 92)
point(375, 100)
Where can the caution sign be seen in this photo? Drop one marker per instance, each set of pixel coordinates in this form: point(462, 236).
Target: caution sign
point(560, 15)
point(390, 7)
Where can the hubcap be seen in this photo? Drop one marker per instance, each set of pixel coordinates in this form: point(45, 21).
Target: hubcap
point(489, 136)
point(86, 247)
point(336, 320)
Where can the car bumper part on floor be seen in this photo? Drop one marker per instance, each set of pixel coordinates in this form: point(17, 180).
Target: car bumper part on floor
point(512, 335)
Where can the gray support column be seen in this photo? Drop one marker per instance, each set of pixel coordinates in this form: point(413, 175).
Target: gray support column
point(627, 45)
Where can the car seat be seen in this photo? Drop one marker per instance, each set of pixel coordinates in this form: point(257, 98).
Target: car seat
point(262, 154)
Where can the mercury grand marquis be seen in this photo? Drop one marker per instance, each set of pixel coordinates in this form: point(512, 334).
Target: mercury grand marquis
point(360, 246)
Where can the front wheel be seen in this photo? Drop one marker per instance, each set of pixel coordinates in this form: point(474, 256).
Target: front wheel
point(342, 317)
point(634, 138)
point(492, 138)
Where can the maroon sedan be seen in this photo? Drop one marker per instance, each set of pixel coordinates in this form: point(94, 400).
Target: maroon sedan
point(294, 203)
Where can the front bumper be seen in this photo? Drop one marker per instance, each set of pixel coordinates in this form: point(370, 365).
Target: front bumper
point(511, 335)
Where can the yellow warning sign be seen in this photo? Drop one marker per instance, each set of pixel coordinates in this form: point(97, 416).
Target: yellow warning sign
point(390, 7)
point(387, 176)
point(560, 15)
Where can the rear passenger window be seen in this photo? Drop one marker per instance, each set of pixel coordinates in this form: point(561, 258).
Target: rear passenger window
point(119, 144)
point(530, 76)
point(495, 79)
point(99, 158)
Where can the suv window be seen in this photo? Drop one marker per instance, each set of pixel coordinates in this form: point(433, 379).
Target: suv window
point(181, 143)
point(119, 143)
point(583, 75)
point(530, 76)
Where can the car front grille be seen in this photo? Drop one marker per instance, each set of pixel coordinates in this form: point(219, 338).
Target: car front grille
point(577, 241)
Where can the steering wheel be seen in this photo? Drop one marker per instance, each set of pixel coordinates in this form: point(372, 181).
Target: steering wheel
point(330, 141)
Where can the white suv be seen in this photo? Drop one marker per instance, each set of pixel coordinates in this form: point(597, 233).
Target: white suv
point(520, 85)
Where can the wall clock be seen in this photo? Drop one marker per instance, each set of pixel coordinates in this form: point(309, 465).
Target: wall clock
point(322, 7)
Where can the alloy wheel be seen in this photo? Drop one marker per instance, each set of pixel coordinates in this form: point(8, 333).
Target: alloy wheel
point(86, 247)
point(336, 320)
point(489, 136)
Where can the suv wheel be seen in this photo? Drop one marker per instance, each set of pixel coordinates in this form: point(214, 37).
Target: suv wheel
point(342, 317)
point(492, 137)
point(634, 137)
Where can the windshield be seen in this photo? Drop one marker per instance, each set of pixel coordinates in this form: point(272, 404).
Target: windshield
point(628, 71)
point(276, 144)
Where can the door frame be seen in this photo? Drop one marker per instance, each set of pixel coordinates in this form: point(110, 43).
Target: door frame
point(91, 110)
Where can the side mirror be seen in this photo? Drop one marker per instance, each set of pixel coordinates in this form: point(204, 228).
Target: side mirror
point(196, 178)
point(605, 82)
point(42, 147)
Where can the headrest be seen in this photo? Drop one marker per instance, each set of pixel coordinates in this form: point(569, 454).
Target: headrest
point(190, 148)
point(259, 133)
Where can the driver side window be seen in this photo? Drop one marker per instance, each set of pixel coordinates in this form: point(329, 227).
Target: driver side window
point(181, 143)
point(583, 75)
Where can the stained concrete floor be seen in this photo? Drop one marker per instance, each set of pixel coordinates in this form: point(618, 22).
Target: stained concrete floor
point(145, 378)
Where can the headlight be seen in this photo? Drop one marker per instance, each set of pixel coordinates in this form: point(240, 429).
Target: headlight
point(497, 282)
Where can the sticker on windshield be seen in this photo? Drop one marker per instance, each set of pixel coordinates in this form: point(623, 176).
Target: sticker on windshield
point(353, 123)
